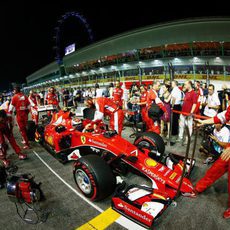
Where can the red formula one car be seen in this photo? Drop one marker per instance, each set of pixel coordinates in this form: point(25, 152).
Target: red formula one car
point(102, 157)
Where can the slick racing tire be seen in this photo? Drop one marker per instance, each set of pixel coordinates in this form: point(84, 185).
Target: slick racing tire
point(31, 129)
point(151, 141)
point(94, 177)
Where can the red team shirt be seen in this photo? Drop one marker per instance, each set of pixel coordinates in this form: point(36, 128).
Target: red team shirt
point(106, 105)
point(189, 99)
point(117, 96)
point(143, 98)
point(52, 99)
point(33, 100)
point(20, 102)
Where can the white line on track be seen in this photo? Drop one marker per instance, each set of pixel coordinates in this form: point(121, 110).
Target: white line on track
point(123, 221)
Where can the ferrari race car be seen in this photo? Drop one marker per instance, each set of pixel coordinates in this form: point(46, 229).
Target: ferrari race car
point(101, 158)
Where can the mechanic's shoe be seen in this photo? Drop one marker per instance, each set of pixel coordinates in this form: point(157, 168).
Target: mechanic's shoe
point(26, 147)
point(6, 163)
point(208, 161)
point(227, 214)
point(22, 156)
point(190, 195)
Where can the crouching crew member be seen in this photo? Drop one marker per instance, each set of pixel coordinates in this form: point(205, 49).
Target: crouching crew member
point(221, 165)
point(153, 122)
point(107, 107)
point(6, 131)
point(21, 105)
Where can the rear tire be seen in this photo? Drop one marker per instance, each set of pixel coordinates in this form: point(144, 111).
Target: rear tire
point(94, 177)
point(153, 141)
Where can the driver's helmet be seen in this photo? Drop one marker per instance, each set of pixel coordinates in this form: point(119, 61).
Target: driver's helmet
point(78, 124)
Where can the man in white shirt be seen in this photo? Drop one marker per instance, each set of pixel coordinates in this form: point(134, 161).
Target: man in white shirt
point(176, 105)
point(212, 102)
point(99, 92)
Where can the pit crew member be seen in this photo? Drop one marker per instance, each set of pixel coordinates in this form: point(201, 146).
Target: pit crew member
point(6, 131)
point(153, 124)
point(118, 94)
point(106, 107)
point(21, 105)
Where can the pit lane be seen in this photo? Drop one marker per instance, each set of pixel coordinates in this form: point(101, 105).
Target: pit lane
point(69, 211)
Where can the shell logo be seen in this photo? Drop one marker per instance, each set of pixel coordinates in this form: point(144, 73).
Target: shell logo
point(49, 140)
point(150, 162)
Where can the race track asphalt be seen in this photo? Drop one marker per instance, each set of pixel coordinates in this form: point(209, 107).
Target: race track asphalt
point(68, 211)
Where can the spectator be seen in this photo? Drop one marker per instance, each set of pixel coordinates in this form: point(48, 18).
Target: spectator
point(205, 89)
point(105, 92)
point(165, 119)
point(176, 100)
point(98, 91)
point(189, 106)
point(212, 104)
point(111, 90)
point(200, 96)
point(65, 97)
point(41, 95)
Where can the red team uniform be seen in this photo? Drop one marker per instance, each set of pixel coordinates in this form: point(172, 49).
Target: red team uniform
point(220, 167)
point(152, 125)
point(117, 96)
point(21, 105)
point(52, 99)
point(6, 132)
point(107, 107)
point(33, 99)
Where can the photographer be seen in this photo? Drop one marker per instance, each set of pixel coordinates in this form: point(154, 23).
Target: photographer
point(212, 103)
point(215, 141)
point(221, 165)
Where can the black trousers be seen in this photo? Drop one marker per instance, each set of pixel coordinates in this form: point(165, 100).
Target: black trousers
point(175, 120)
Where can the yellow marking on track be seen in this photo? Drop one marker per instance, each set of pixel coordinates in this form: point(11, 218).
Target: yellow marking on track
point(102, 221)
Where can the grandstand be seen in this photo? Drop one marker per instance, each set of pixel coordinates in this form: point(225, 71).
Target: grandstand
point(197, 48)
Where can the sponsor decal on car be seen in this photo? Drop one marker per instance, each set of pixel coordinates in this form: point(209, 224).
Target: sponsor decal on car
point(95, 149)
point(98, 143)
point(161, 169)
point(83, 139)
point(167, 172)
point(173, 175)
point(134, 212)
point(150, 162)
point(153, 175)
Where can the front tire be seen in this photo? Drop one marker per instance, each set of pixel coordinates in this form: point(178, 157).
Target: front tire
point(94, 177)
point(153, 142)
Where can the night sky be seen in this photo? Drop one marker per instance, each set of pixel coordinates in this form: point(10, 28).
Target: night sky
point(27, 27)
